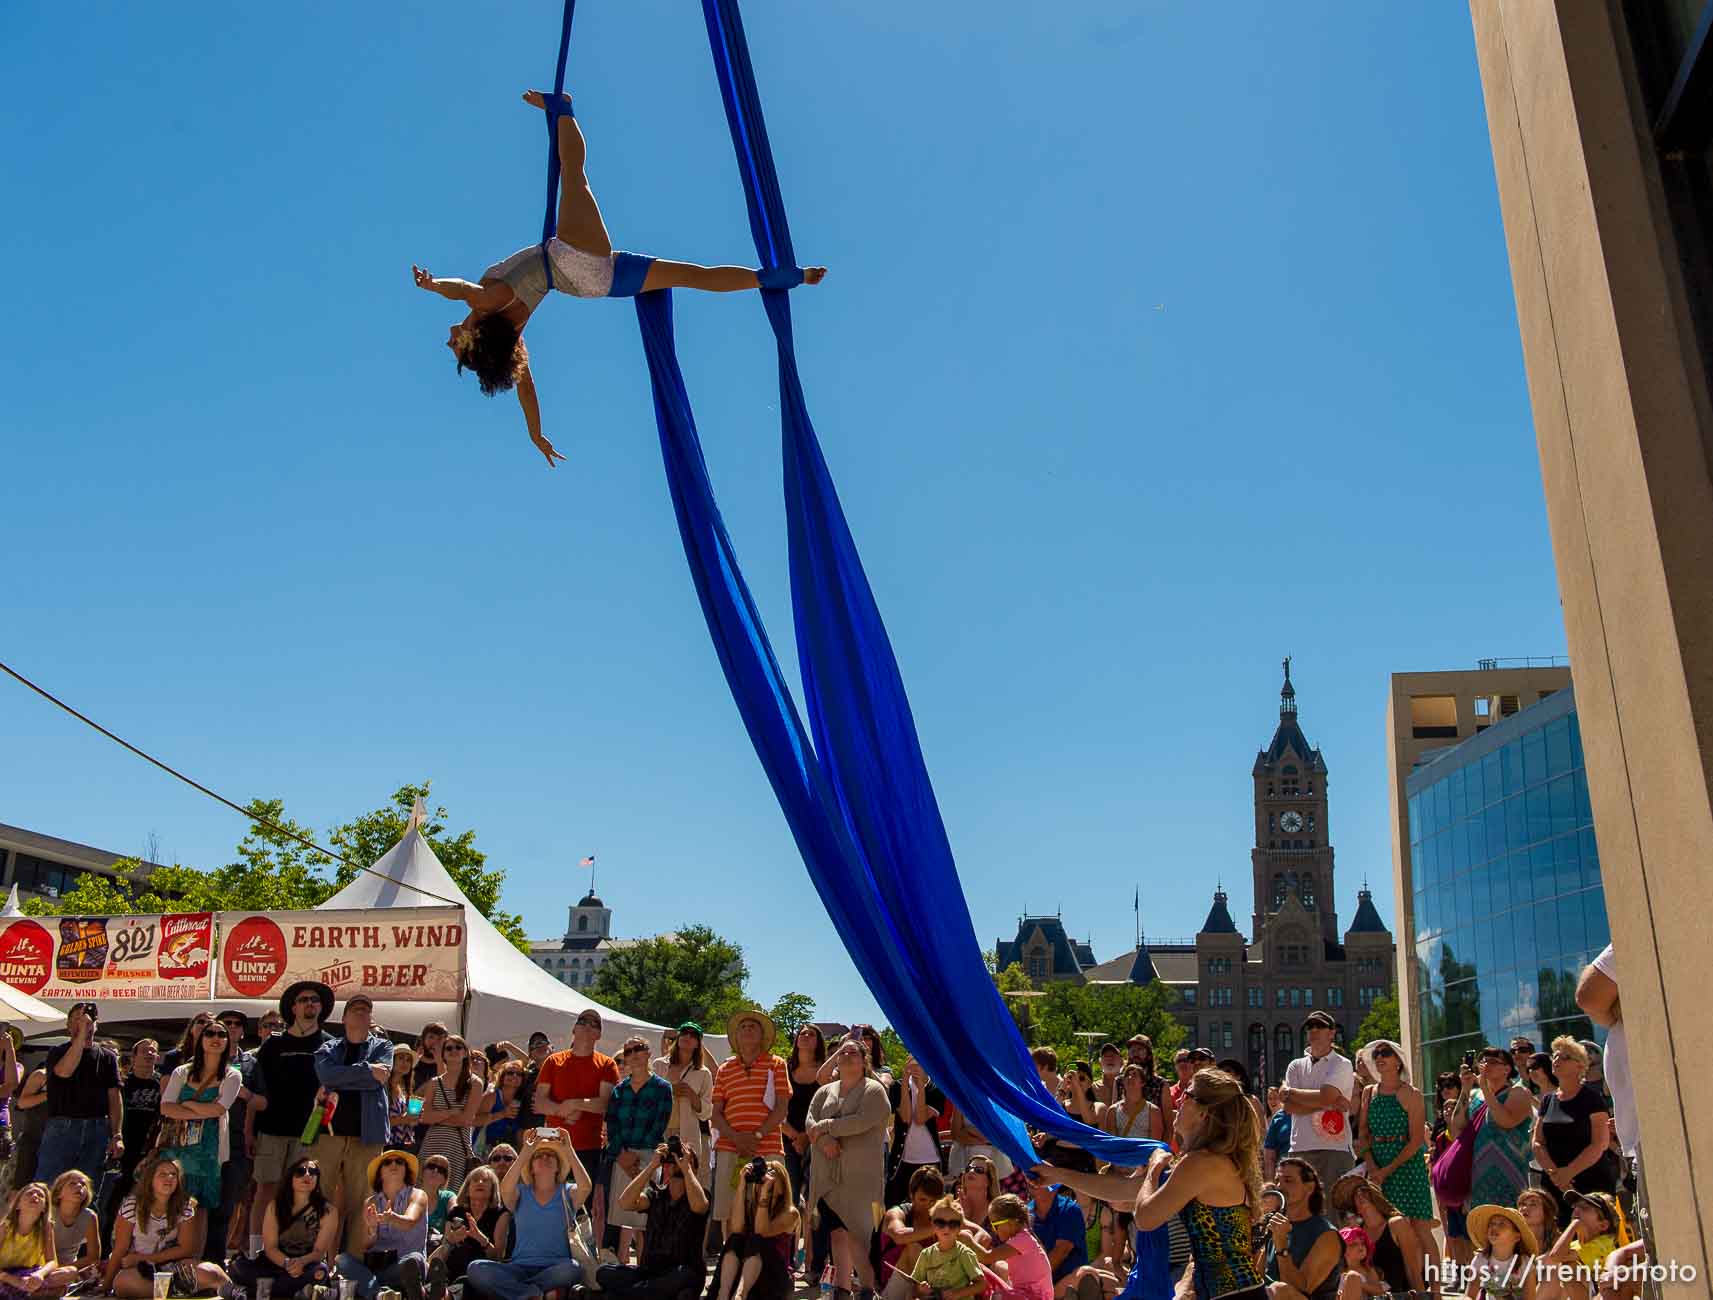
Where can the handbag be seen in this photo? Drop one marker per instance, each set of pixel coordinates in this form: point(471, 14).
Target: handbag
point(1454, 1170)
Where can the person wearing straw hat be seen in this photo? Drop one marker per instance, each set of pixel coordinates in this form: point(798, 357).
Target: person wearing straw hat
point(752, 1091)
point(1503, 1267)
point(544, 1215)
point(393, 1229)
point(1396, 1248)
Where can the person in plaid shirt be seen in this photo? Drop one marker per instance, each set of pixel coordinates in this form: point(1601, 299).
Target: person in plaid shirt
point(637, 1115)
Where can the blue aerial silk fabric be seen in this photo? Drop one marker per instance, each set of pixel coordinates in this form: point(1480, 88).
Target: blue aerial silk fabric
point(857, 797)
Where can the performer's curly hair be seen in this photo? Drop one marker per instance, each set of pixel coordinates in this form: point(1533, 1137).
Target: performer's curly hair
point(491, 347)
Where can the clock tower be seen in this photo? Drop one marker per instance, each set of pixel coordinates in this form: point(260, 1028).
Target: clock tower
point(1292, 857)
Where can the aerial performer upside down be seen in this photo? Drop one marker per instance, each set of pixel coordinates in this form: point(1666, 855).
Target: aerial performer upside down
point(489, 340)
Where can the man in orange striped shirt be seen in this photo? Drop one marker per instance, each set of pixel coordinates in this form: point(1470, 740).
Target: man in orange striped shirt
point(751, 1092)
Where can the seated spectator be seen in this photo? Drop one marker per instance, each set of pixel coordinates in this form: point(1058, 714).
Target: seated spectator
point(300, 1234)
point(27, 1265)
point(1058, 1224)
point(1017, 1259)
point(1539, 1208)
point(948, 1268)
point(436, 1173)
point(906, 1229)
point(393, 1231)
point(1360, 1277)
point(542, 1207)
point(1397, 1247)
point(1303, 1248)
point(158, 1231)
point(77, 1233)
point(976, 1189)
point(675, 1216)
point(1503, 1267)
point(501, 1158)
point(477, 1227)
point(1596, 1230)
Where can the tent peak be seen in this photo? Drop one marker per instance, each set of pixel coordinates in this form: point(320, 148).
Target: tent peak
point(418, 816)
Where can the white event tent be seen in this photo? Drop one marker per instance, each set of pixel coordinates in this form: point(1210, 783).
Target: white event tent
point(507, 995)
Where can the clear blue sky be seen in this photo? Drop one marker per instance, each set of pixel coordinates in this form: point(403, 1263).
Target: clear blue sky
point(1155, 348)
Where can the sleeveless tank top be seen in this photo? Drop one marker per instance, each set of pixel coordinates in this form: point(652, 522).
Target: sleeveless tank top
point(1220, 1243)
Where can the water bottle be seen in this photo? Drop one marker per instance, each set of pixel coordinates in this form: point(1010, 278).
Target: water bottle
point(827, 1283)
point(797, 1263)
point(320, 1117)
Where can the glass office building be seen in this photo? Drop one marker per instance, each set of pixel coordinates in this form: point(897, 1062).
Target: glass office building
point(1508, 902)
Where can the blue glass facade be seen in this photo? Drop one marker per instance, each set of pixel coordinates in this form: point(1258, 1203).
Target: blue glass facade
point(1508, 900)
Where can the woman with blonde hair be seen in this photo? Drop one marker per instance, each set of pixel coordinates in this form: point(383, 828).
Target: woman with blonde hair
point(27, 1265)
point(1573, 1129)
point(1214, 1185)
point(476, 1228)
point(77, 1232)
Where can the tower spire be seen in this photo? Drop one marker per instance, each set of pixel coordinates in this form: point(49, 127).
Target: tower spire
point(1287, 693)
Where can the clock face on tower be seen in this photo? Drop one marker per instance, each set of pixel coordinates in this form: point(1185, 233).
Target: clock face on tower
point(1291, 823)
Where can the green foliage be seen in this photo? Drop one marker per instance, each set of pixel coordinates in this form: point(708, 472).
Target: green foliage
point(366, 838)
point(275, 873)
point(1380, 1022)
point(790, 1013)
point(692, 975)
point(1075, 1019)
point(1011, 979)
point(896, 1053)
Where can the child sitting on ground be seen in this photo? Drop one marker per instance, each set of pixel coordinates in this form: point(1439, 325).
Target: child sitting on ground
point(1360, 1278)
point(1017, 1258)
point(1504, 1267)
point(948, 1269)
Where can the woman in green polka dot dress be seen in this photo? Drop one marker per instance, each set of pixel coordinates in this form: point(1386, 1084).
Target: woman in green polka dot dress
point(1391, 1126)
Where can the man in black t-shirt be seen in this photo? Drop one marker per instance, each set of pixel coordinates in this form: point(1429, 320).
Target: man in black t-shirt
point(677, 1210)
point(83, 1106)
point(285, 1085)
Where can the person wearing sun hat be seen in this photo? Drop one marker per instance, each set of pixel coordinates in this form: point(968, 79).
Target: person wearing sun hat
point(391, 1247)
point(1503, 1267)
point(1317, 1091)
point(1391, 1130)
point(543, 1189)
point(751, 1092)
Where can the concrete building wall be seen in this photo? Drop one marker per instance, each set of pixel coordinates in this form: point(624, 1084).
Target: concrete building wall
point(1621, 408)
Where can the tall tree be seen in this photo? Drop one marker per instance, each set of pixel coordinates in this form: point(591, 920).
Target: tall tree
point(364, 839)
point(1380, 1022)
point(694, 974)
point(789, 1014)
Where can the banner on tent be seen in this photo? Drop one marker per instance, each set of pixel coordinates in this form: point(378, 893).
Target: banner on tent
point(73, 958)
point(394, 954)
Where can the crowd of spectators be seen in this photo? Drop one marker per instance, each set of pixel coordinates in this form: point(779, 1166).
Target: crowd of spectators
point(320, 1154)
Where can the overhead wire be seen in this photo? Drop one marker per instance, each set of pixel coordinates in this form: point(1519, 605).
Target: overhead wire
point(194, 784)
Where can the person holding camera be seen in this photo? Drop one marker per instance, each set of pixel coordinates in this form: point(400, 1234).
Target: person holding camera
point(674, 1210)
point(477, 1226)
point(756, 1263)
point(543, 1188)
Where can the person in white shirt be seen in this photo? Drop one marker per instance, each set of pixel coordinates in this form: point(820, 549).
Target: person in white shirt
point(1316, 1094)
point(1597, 995)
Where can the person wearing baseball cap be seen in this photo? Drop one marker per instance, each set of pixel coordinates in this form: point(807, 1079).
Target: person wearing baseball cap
point(1317, 1093)
point(356, 1067)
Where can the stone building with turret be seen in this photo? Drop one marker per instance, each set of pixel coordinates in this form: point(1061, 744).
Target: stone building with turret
point(1247, 997)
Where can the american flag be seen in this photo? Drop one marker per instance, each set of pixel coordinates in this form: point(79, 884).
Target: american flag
point(588, 861)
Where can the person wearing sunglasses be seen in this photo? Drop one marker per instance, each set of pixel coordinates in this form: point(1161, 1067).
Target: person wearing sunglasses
point(196, 1125)
point(948, 1269)
point(1391, 1127)
point(299, 1235)
point(451, 1103)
